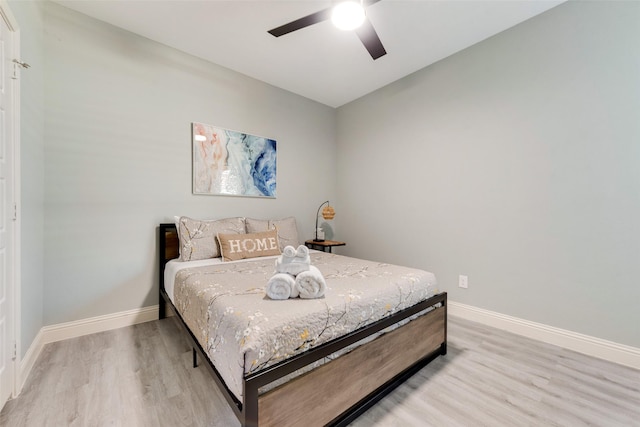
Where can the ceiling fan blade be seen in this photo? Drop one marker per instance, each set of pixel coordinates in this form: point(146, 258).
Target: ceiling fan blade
point(370, 39)
point(305, 21)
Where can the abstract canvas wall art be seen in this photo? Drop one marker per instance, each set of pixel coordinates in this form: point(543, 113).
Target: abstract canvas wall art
point(226, 162)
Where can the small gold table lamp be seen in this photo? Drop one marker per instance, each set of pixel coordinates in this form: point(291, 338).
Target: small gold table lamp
point(327, 213)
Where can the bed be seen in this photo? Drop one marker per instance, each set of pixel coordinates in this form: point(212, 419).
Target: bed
point(331, 381)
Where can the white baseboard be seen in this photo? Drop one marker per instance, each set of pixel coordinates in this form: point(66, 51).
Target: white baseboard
point(29, 359)
point(596, 347)
point(607, 350)
point(63, 331)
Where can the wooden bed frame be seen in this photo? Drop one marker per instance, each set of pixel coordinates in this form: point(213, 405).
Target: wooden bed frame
point(338, 391)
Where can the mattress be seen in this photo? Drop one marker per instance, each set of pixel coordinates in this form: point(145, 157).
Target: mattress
point(225, 306)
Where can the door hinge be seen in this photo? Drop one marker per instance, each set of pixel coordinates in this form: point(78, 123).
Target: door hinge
point(15, 211)
point(21, 63)
point(15, 351)
point(17, 63)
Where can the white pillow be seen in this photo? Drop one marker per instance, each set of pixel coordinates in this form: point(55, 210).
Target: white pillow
point(198, 237)
point(287, 229)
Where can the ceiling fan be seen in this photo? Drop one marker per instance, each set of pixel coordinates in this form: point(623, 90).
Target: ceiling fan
point(362, 26)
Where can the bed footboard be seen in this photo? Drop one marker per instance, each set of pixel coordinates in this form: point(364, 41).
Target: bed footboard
point(335, 387)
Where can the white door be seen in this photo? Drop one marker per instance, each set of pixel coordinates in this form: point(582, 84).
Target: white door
point(7, 230)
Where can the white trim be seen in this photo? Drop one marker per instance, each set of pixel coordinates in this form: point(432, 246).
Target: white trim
point(29, 359)
point(592, 346)
point(6, 13)
point(15, 334)
point(17, 234)
point(617, 353)
point(63, 331)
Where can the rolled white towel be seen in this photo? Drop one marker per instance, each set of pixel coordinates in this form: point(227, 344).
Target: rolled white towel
point(282, 286)
point(293, 261)
point(302, 254)
point(311, 284)
point(289, 252)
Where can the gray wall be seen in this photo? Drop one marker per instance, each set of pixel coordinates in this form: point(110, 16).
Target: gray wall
point(30, 19)
point(515, 162)
point(118, 112)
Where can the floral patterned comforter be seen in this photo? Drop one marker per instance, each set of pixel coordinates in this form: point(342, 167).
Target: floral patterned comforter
point(243, 331)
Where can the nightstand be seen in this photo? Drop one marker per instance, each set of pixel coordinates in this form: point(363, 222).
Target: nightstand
point(323, 246)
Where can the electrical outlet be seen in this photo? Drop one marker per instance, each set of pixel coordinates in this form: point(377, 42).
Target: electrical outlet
point(463, 281)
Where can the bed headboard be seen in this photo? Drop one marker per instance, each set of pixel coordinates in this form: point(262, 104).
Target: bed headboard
point(169, 242)
point(168, 247)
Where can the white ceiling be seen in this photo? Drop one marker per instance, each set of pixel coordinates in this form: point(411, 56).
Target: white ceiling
point(319, 62)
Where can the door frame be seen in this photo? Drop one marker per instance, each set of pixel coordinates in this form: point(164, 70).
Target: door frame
point(14, 364)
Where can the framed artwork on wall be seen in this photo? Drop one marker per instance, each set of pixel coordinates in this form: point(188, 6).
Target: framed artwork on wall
point(231, 163)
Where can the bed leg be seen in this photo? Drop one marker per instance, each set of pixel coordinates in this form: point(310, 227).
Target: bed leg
point(195, 357)
point(250, 410)
point(443, 349)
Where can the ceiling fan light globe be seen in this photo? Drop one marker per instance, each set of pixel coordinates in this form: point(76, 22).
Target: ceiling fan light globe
point(347, 15)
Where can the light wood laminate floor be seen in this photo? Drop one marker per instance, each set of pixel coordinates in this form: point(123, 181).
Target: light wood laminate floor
point(142, 376)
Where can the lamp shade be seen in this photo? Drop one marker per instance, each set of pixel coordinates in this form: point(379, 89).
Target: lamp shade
point(328, 213)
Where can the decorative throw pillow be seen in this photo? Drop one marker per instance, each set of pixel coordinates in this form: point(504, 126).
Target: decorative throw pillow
point(198, 237)
point(250, 245)
point(287, 229)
